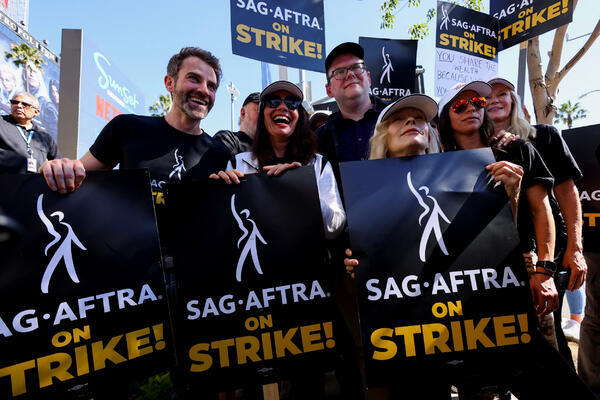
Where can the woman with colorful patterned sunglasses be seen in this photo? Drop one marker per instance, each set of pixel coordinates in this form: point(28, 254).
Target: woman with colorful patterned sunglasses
point(464, 124)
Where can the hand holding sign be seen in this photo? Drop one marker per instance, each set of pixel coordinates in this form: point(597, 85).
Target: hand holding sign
point(350, 263)
point(63, 175)
point(232, 175)
point(510, 175)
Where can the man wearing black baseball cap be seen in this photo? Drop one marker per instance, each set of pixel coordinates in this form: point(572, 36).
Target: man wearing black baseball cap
point(346, 133)
point(345, 137)
point(241, 141)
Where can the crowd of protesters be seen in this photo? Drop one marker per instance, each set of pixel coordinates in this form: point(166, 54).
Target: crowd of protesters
point(533, 164)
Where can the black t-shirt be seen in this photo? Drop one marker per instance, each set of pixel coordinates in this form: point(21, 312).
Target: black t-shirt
point(555, 153)
point(557, 156)
point(534, 172)
point(342, 139)
point(135, 141)
point(236, 142)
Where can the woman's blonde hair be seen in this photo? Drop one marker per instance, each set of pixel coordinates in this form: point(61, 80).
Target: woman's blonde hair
point(378, 148)
point(518, 124)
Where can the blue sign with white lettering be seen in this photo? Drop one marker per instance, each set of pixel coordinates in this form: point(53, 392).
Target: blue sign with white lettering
point(105, 93)
point(283, 32)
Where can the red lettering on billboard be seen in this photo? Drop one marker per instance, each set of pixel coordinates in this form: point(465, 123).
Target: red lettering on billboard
point(105, 110)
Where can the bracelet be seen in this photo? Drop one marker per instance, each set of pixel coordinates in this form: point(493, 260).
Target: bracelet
point(543, 273)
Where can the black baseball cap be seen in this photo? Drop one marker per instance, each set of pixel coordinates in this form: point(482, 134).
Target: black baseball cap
point(252, 98)
point(344, 48)
point(282, 85)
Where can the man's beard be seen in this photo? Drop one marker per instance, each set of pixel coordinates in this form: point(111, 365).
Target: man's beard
point(181, 101)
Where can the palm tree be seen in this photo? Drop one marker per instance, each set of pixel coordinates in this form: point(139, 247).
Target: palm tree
point(161, 106)
point(24, 55)
point(567, 113)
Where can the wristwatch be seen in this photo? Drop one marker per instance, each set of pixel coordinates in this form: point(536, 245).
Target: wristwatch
point(549, 266)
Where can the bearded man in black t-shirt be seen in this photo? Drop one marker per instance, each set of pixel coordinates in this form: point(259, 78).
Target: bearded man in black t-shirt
point(170, 146)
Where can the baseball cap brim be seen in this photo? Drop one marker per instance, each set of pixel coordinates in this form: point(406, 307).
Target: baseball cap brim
point(282, 85)
point(344, 48)
point(419, 101)
point(479, 87)
point(501, 81)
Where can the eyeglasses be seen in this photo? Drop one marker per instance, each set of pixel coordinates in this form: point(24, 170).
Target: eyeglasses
point(291, 102)
point(25, 105)
point(461, 105)
point(341, 73)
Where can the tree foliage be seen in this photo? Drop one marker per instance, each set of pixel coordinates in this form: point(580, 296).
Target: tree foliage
point(544, 85)
point(390, 8)
point(25, 56)
point(161, 106)
point(568, 112)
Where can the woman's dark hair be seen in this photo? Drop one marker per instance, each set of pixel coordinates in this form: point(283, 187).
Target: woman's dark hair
point(302, 146)
point(486, 131)
point(52, 82)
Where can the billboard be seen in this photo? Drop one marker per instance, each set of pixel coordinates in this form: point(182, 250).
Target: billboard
point(105, 93)
point(94, 92)
point(18, 10)
point(44, 85)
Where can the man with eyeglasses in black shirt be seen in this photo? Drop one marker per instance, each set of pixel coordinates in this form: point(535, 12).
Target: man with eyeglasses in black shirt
point(345, 137)
point(346, 133)
point(24, 145)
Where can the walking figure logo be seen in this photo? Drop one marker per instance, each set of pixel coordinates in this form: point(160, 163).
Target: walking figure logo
point(63, 251)
point(387, 66)
point(433, 221)
point(250, 245)
point(178, 166)
point(444, 23)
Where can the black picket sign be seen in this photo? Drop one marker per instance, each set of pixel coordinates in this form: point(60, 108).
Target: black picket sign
point(283, 32)
point(82, 291)
point(466, 46)
point(521, 20)
point(584, 144)
point(440, 283)
point(391, 64)
point(253, 302)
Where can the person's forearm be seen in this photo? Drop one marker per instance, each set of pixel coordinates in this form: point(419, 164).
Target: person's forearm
point(543, 223)
point(568, 199)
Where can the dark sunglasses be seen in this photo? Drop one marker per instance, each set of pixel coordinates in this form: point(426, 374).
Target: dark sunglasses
point(461, 105)
point(291, 102)
point(25, 105)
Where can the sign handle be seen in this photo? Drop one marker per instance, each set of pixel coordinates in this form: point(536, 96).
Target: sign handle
point(271, 391)
point(521, 74)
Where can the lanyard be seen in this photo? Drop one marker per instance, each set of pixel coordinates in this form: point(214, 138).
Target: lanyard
point(26, 139)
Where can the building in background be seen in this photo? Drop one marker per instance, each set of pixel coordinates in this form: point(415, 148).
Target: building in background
point(17, 10)
point(44, 85)
point(94, 91)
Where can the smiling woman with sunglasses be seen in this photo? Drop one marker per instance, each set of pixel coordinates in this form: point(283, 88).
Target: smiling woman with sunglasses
point(464, 124)
point(283, 141)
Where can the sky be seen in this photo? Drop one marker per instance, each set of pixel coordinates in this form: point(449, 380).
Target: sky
point(140, 37)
